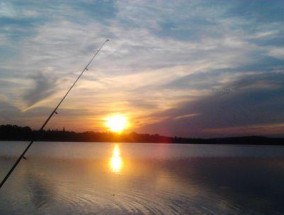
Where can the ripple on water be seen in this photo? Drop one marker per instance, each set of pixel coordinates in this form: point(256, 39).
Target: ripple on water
point(92, 200)
point(152, 192)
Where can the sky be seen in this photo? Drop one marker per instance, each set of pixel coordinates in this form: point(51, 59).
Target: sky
point(189, 68)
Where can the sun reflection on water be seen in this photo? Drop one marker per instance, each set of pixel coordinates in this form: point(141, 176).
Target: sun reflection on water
point(116, 160)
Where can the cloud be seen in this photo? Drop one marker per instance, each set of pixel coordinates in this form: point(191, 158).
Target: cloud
point(44, 86)
point(260, 12)
point(164, 61)
point(256, 101)
point(98, 10)
point(9, 113)
point(277, 53)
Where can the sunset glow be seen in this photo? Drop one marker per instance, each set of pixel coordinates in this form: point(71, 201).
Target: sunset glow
point(117, 123)
point(172, 67)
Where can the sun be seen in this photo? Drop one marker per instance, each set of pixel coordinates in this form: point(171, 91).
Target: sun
point(117, 123)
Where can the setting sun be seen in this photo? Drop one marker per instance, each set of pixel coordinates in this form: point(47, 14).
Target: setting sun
point(117, 123)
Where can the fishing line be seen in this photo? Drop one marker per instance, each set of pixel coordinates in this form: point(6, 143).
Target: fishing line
point(50, 116)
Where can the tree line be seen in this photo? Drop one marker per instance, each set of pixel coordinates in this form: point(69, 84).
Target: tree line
point(18, 133)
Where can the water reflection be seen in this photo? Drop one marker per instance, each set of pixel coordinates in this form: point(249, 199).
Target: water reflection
point(116, 162)
point(163, 185)
point(41, 190)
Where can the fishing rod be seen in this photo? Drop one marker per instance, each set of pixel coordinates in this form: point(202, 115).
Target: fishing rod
point(50, 116)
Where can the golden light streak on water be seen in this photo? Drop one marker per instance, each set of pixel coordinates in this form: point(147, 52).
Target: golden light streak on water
point(116, 160)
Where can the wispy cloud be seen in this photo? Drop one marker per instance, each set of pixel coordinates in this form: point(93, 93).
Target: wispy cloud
point(165, 65)
point(256, 101)
point(44, 86)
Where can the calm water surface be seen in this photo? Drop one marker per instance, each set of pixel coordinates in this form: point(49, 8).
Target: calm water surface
point(123, 178)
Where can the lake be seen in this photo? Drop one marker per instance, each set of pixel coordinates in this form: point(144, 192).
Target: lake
point(131, 178)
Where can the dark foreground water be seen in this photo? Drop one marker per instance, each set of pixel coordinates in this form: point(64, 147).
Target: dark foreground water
point(102, 178)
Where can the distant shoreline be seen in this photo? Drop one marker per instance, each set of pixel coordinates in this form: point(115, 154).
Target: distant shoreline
point(17, 133)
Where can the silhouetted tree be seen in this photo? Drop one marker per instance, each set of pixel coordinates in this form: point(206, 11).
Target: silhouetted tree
point(17, 133)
